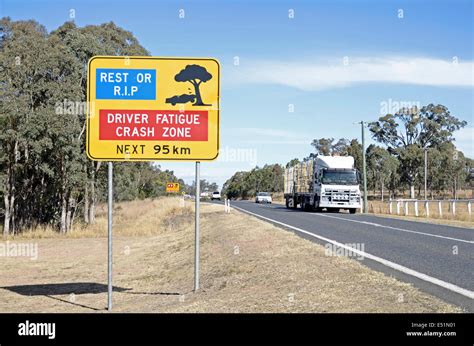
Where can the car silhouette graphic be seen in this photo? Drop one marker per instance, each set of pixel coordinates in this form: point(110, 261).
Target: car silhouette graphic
point(181, 99)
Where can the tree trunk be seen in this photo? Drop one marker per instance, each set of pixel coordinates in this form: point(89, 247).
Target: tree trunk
point(455, 189)
point(92, 200)
point(9, 194)
point(375, 186)
point(73, 216)
point(12, 212)
point(6, 221)
point(92, 190)
point(70, 208)
point(62, 224)
point(381, 188)
point(86, 204)
point(6, 197)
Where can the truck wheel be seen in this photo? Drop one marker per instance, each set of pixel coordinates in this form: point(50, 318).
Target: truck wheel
point(303, 205)
point(287, 202)
point(352, 211)
point(316, 205)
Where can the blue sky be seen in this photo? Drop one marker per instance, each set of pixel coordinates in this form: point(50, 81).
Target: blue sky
point(310, 76)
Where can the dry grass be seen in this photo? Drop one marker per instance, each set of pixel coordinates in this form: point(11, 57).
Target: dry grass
point(129, 219)
point(247, 266)
point(278, 197)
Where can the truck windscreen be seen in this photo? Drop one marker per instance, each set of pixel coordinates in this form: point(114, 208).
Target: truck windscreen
point(339, 177)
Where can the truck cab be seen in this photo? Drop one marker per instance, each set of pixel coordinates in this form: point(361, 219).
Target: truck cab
point(337, 188)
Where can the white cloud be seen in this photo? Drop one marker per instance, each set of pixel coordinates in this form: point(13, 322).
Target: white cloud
point(465, 141)
point(335, 74)
point(260, 131)
point(257, 135)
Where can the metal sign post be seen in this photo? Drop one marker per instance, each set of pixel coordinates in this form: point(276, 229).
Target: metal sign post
point(109, 269)
point(196, 229)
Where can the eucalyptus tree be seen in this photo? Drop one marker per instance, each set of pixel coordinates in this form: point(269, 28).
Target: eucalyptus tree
point(408, 132)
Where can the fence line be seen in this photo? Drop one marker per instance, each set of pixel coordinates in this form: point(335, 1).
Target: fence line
point(405, 204)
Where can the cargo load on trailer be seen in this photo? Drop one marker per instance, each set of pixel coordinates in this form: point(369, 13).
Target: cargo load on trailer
point(325, 182)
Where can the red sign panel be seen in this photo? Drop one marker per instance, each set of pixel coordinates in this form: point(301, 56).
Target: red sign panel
point(148, 125)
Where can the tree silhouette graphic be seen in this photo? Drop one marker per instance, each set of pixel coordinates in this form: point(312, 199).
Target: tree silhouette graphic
point(195, 75)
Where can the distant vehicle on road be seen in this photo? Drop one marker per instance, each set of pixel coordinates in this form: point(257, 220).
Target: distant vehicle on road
point(329, 182)
point(263, 197)
point(183, 98)
point(216, 195)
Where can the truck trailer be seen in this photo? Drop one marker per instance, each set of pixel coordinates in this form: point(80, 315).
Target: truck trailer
point(324, 182)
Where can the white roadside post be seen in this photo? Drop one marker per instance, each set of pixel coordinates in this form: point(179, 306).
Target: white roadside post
point(416, 208)
point(469, 209)
point(109, 259)
point(427, 208)
point(227, 205)
point(440, 209)
point(196, 228)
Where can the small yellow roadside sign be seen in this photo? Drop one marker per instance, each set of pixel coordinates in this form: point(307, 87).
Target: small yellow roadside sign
point(153, 109)
point(172, 187)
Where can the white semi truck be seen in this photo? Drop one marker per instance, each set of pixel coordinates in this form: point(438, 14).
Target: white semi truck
point(325, 182)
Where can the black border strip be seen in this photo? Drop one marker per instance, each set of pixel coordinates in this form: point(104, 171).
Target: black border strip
point(258, 329)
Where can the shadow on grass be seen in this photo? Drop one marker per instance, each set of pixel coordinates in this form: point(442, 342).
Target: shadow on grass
point(156, 293)
point(62, 288)
point(76, 288)
point(51, 290)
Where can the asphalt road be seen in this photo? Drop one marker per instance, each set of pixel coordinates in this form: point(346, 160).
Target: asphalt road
point(437, 259)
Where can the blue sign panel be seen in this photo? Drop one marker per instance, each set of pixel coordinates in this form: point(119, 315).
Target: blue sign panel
point(125, 84)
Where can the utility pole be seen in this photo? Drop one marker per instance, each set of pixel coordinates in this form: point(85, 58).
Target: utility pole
point(426, 172)
point(364, 169)
point(455, 158)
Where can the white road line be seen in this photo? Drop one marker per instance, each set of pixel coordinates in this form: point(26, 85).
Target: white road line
point(395, 228)
point(408, 271)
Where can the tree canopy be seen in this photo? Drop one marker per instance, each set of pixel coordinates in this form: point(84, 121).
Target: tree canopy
point(409, 132)
point(45, 176)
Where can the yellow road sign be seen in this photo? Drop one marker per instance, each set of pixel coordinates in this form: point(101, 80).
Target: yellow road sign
point(152, 109)
point(172, 187)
